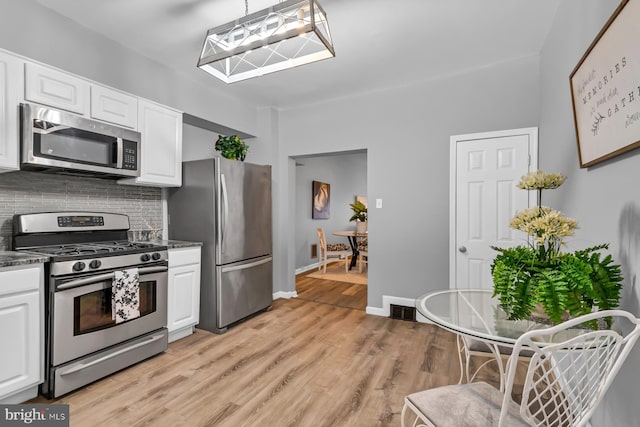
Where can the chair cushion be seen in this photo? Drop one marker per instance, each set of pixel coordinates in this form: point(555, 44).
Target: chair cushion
point(337, 247)
point(465, 405)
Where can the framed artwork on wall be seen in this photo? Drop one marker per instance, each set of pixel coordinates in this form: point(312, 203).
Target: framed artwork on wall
point(321, 200)
point(605, 89)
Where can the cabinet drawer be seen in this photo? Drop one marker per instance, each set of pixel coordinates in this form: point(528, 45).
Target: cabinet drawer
point(20, 279)
point(55, 88)
point(184, 256)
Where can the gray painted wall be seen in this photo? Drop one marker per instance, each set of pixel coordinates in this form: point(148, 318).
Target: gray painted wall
point(347, 175)
point(605, 199)
point(406, 133)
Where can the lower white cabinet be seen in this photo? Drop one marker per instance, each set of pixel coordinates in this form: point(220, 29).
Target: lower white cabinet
point(21, 332)
point(183, 311)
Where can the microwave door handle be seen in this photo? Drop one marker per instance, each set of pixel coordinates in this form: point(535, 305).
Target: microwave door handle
point(120, 154)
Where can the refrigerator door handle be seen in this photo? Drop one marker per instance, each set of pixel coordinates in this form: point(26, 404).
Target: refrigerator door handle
point(225, 208)
point(245, 266)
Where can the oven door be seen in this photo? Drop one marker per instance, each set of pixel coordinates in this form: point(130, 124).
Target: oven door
point(82, 318)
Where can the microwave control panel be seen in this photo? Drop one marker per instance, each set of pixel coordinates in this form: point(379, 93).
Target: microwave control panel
point(130, 155)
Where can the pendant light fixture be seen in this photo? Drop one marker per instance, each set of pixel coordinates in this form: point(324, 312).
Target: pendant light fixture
point(285, 35)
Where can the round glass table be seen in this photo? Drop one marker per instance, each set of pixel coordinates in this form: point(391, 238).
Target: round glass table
point(476, 318)
point(476, 314)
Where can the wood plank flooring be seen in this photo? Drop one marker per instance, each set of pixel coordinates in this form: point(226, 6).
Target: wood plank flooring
point(341, 294)
point(302, 363)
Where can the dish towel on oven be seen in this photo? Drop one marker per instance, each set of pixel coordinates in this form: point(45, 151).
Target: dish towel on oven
point(125, 295)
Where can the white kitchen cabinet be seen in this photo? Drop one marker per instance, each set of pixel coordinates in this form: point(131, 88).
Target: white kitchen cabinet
point(183, 311)
point(161, 146)
point(11, 87)
point(114, 107)
point(55, 88)
point(21, 332)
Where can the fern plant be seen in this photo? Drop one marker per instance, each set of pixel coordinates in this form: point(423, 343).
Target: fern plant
point(541, 274)
point(572, 283)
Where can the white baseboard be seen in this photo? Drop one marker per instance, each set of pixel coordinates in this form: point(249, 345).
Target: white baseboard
point(285, 295)
point(306, 268)
point(385, 311)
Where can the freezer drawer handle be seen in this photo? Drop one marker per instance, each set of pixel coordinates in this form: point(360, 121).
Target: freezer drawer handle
point(83, 366)
point(245, 266)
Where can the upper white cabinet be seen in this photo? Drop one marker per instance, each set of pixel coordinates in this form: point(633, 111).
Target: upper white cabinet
point(114, 107)
point(161, 146)
point(11, 87)
point(21, 332)
point(57, 89)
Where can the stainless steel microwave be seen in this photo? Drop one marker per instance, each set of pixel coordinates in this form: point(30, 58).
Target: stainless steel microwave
point(59, 141)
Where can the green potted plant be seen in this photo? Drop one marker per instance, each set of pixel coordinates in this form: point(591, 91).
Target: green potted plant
point(540, 276)
point(232, 147)
point(359, 215)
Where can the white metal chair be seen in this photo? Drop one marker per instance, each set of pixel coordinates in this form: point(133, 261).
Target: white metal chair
point(563, 385)
point(326, 252)
point(469, 347)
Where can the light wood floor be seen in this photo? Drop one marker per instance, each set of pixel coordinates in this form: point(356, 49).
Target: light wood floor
point(341, 294)
point(302, 363)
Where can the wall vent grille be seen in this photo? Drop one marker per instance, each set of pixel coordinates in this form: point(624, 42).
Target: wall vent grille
point(402, 312)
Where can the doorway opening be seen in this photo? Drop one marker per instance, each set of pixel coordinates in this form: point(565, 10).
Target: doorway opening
point(345, 176)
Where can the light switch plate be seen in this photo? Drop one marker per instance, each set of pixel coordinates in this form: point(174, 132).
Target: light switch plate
point(378, 203)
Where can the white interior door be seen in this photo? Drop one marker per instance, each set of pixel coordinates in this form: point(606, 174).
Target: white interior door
point(485, 169)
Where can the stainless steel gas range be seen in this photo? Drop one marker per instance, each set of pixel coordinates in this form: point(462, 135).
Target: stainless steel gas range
point(86, 336)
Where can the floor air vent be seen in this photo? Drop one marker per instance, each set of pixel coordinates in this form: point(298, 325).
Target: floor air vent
point(403, 313)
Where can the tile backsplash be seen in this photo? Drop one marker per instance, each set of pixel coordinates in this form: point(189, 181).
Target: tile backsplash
point(27, 192)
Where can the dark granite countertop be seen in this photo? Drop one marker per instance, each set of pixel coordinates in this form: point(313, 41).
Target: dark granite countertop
point(11, 258)
point(174, 244)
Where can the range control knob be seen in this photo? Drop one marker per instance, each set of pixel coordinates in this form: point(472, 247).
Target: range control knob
point(95, 263)
point(156, 256)
point(79, 266)
point(145, 257)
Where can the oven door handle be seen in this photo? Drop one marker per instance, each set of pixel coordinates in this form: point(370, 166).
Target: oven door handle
point(106, 276)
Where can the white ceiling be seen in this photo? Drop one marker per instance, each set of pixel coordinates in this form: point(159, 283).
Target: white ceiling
point(378, 43)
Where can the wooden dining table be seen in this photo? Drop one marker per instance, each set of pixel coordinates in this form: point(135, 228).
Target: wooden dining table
point(353, 237)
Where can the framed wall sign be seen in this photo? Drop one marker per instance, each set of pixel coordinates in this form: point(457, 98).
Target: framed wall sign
point(605, 89)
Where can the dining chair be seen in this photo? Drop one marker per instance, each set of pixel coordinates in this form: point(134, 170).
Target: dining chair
point(564, 383)
point(363, 253)
point(469, 348)
point(334, 250)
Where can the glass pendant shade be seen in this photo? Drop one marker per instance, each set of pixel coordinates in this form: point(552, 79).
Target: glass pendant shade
point(285, 35)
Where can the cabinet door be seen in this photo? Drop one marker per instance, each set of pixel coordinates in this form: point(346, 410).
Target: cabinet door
point(11, 86)
point(114, 107)
point(56, 89)
point(161, 146)
point(184, 296)
point(20, 335)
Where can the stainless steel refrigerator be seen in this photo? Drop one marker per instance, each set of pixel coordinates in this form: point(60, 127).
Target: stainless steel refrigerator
point(226, 205)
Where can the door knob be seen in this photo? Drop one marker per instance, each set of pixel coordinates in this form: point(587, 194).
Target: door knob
point(462, 249)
